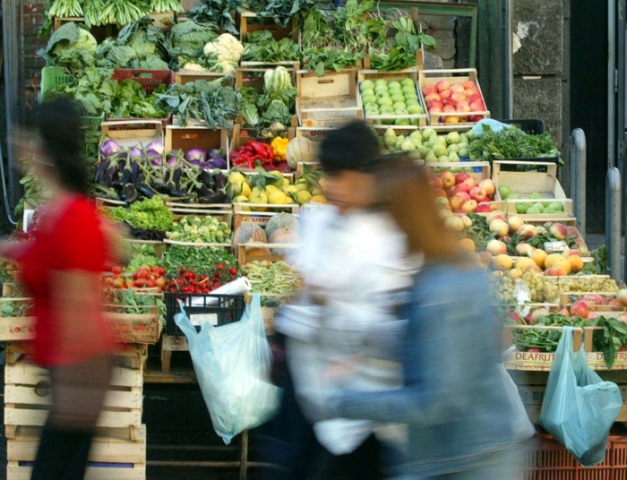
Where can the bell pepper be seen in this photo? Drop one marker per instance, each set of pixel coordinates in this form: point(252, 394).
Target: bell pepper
point(279, 148)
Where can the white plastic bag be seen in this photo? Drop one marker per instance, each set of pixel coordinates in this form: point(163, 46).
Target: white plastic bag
point(523, 428)
point(232, 364)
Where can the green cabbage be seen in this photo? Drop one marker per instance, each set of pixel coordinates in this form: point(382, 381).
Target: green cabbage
point(71, 47)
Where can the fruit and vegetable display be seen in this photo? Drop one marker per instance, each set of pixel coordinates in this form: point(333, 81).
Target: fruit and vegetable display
point(200, 230)
point(462, 193)
point(269, 156)
point(512, 143)
point(144, 277)
point(428, 145)
point(450, 96)
point(272, 188)
point(16, 308)
point(549, 206)
point(393, 101)
point(141, 172)
point(146, 214)
point(190, 281)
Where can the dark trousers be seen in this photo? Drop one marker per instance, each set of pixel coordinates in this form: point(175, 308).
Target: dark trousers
point(62, 454)
point(292, 445)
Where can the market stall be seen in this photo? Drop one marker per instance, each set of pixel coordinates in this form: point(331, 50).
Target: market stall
point(202, 129)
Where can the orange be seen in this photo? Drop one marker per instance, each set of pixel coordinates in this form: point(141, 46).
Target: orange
point(539, 256)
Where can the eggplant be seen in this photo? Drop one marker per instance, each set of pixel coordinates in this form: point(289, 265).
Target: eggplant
point(216, 197)
point(135, 172)
point(207, 179)
point(145, 190)
point(178, 193)
point(108, 177)
point(220, 180)
point(176, 177)
point(125, 178)
point(203, 191)
point(129, 193)
point(102, 168)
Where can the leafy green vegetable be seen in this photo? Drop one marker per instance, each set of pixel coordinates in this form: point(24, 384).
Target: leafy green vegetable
point(610, 339)
point(213, 13)
point(186, 42)
point(277, 111)
point(200, 260)
point(137, 303)
point(71, 47)
point(210, 102)
point(262, 47)
point(282, 11)
point(511, 143)
point(149, 213)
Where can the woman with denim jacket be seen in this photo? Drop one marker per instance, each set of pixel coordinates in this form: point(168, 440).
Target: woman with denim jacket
point(453, 400)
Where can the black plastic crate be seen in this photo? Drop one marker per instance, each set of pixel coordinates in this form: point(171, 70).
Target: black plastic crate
point(531, 126)
point(218, 309)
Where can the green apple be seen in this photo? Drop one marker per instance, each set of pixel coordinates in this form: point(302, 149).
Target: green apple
point(369, 99)
point(415, 109)
point(413, 121)
point(397, 98)
point(399, 105)
point(431, 157)
point(534, 210)
point(366, 84)
point(379, 91)
point(402, 121)
point(453, 148)
point(522, 207)
point(427, 133)
point(440, 150)
point(386, 109)
point(548, 210)
point(408, 82)
point(513, 196)
point(409, 96)
point(381, 81)
point(367, 91)
point(505, 191)
point(557, 206)
point(408, 89)
point(538, 205)
point(536, 195)
point(394, 84)
point(385, 101)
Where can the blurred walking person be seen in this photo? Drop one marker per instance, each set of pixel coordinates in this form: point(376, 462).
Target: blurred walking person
point(355, 269)
point(453, 400)
point(61, 270)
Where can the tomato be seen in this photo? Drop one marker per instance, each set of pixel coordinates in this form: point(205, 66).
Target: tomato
point(181, 271)
point(160, 282)
point(152, 277)
point(142, 274)
point(189, 275)
point(130, 284)
point(119, 282)
point(108, 281)
point(155, 271)
point(233, 271)
point(220, 266)
point(116, 270)
point(161, 271)
point(140, 282)
point(151, 283)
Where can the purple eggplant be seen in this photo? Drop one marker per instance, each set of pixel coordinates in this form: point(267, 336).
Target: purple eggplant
point(196, 156)
point(109, 148)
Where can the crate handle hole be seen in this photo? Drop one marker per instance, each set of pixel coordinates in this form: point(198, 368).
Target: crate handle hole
point(42, 389)
point(325, 80)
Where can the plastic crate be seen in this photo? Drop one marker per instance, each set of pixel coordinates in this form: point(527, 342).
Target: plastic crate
point(531, 126)
point(52, 77)
point(217, 309)
point(149, 79)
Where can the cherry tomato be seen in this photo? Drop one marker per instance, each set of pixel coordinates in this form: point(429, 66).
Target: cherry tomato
point(116, 270)
point(161, 271)
point(233, 271)
point(220, 266)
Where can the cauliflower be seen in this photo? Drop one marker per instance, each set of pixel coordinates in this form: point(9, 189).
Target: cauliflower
point(226, 50)
point(194, 66)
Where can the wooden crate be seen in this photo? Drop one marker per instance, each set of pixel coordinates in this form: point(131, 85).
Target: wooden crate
point(328, 101)
point(132, 133)
point(169, 344)
point(247, 25)
point(183, 76)
point(243, 214)
point(454, 76)
point(222, 211)
point(314, 134)
point(420, 63)
point(261, 252)
point(113, 471)
point(16, 328)
point(417, 119)
point(250, 74)
point(186, 138)
point(142, 328)
point(110, 445)
point(567, 299)
point(477, 170)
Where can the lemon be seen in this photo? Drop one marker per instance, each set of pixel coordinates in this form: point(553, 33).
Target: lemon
point(271, 189)
point(245, 189)
point(242, 199)
point(236, 177)
point(279, 181)
point(318, 199)
point(301, 186)
point(278, 198)
point(315, 191)
point(290, 189)
point(260, 198)
point(303, 197)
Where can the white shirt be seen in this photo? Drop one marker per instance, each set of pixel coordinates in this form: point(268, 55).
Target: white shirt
point(356, 262)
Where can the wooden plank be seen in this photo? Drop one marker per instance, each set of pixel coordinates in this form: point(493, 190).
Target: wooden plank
point(27, 374)
point(174, 376)
point(37, 418)
point(28, 395)
point(136, 472)
point(106, 449)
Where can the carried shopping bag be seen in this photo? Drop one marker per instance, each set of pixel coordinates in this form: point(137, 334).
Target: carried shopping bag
point(579, 408)
point(523, 428)
point(232, 364)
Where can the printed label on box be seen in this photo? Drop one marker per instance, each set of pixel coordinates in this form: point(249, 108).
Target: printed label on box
point(553, 247)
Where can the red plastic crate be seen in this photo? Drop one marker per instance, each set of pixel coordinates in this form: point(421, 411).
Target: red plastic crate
point(149, 79)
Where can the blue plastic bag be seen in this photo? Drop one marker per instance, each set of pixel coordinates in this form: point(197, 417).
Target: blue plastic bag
point(579, 407)
point(232, 364)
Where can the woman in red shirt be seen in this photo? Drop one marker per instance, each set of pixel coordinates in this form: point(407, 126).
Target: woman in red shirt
point(61, 270)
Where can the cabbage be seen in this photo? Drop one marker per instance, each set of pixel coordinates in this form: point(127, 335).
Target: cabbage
point(71, 47)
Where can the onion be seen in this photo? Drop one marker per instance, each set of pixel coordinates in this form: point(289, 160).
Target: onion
point(157, 146)
point(196, 156)
point(109, 148)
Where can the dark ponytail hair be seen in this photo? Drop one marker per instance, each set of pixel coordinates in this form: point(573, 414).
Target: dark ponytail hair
point(59, 123)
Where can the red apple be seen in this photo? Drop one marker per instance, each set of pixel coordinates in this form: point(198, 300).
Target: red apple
point(478, 106)
point(534, 316)
point(469, 92)
point(475, 118)
point(469, 84)
point(443, 85)
point(461, 187)
point(461, 177)
point(436, 182)
point(572, 232)
point(440, 193)
point(458, 200)
point(457, 88)
point(488, 185)
point(462, 107)
point(435, 109)
point(469, 206)
point(475, 98)
point(471, 182)
point(432, 96)
point(448, 101)
point(449, 108)
point(429, 89)
point(478, 194)
point(483, 208)
point(459, 97)
point(558, 231)
point(579, 309)
point(565, 312)
point(448, 179)
point(445, 94)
